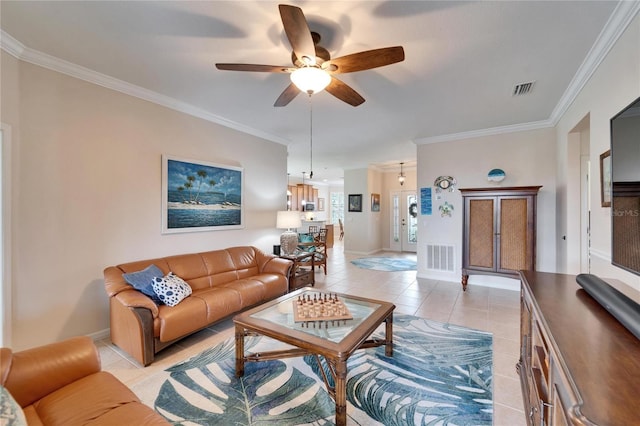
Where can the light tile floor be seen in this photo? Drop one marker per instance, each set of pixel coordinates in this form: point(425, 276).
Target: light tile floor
point(489, 309)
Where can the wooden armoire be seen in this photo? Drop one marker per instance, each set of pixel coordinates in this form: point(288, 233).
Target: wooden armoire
point(499, 235)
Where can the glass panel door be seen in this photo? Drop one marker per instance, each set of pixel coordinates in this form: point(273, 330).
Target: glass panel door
point(404, 221)
point(410, 222)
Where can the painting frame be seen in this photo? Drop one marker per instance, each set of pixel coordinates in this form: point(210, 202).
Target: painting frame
point(355, 202)
point(375, 202)
point(219, 207)
point(605, 179)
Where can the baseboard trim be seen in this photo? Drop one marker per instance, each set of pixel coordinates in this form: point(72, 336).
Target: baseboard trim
point(100, 335)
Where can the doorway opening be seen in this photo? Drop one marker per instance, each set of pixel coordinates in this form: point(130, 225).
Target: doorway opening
point(577, 236)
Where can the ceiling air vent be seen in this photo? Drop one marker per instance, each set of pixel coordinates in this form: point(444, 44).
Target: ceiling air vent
point(522, 88)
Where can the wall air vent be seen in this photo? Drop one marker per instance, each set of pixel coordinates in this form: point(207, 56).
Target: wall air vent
point(522, 88)
point(440, 257)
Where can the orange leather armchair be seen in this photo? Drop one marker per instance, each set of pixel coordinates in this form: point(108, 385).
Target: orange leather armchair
point(62, 384)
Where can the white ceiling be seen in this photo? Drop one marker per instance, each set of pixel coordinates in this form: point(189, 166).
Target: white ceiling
point(462, 62)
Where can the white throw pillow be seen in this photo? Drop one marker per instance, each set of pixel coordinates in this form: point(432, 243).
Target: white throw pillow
point(11, 413)
point(171, 289)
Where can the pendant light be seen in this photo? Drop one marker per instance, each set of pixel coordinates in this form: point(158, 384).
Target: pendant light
point(401, 176)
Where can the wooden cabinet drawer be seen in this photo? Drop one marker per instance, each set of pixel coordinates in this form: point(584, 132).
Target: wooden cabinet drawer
point(302, 278)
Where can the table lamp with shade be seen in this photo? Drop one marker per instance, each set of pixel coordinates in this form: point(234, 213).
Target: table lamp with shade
point(288, 220)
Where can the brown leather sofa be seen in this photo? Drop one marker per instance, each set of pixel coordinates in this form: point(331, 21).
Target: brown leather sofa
point(223, 282)
point(62, 384)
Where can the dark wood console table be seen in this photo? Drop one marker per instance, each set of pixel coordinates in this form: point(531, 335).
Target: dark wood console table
point(578, 365)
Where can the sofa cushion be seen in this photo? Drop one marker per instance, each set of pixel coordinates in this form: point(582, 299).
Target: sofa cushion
point(171, 289)
point(11, 413)
point(220, 302)
point(251, 291)
point(175, 322)
point(143, 281)
point(84, 400)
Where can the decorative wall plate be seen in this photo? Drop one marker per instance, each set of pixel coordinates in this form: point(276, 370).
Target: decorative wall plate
point(443, 183)
point(496, 175)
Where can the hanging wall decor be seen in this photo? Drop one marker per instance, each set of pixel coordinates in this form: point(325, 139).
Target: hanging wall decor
point(496, 175)
point(446, 209)
point(375, 202)
point(200, 196)
point(355, 202)
point(445, 183)
point(425, 201)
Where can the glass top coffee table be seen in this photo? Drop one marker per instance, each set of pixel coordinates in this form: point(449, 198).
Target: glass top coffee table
point(317, 334)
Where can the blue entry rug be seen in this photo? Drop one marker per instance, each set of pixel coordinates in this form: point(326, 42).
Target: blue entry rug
point(439, 374)
point(386, 263)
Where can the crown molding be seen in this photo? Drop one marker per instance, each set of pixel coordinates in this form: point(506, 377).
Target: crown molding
point(10, 45)
point(618, 22)
point(534, 125)
point(26, 54)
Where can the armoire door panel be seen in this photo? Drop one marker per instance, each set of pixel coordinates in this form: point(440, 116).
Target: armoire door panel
point(513, 234)
point(481, 234)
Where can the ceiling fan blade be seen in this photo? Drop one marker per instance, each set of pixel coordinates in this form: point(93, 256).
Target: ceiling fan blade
point(254, 68)
point(365, 60)
point(298, 33)
point(287, 95)
point(343, 92)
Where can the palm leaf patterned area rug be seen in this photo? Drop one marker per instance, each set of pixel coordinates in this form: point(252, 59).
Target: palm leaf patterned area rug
point(389, 264)
point(439, 374)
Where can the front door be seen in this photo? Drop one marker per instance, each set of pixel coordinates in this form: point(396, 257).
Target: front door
point(404, 221)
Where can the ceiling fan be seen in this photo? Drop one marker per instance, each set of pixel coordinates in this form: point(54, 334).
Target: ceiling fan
point(313, 69)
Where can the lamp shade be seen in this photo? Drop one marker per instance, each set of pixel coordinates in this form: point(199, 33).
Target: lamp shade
point(310, 79)
point(288, 219)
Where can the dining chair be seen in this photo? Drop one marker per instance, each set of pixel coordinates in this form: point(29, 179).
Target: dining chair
point(319, 248)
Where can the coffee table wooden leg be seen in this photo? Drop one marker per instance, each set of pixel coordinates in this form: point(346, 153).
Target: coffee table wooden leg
point(341, 392)
point(388, 350)
point(239, 351)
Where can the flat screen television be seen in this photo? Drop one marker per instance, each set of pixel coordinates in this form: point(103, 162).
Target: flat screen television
point(625, 188)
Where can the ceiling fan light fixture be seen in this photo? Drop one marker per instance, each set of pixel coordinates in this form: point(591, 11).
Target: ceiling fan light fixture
point(310, 79)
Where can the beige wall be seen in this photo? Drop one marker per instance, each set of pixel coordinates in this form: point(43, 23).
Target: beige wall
point(528, 158)
point(86, 193)
point(357, 223)
point(614, 85)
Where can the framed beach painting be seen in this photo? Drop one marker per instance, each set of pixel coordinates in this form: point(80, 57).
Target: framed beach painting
point(200, 196)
